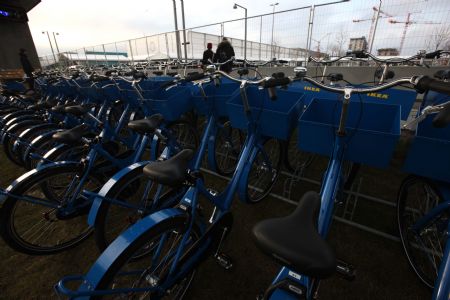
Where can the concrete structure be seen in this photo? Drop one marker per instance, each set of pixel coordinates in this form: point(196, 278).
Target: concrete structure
point(358, 44)
point(388, 52)
point(15, 33)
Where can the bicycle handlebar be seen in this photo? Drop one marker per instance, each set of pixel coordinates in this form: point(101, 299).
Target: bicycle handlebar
point(426, 83)
point(362, 55)
point(255, 65)
point(221, 63)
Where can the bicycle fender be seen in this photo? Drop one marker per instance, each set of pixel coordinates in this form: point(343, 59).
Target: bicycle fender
point(123, 241)
point(30, 173)
point(97, 202)
point(38, 141)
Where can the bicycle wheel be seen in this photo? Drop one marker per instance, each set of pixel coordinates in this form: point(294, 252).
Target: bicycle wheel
point(227, 147)
point(295, 159)
point(12, 135)
point(27, 137)
point(150, 269)
point(134, 189)
point(264, 171)
point(37, 229)
point(424, 249)
point(184, 133)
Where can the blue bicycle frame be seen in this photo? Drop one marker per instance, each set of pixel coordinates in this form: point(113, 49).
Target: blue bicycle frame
point(188, 202)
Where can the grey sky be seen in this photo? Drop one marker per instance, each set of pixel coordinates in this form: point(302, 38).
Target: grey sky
point(86, 23)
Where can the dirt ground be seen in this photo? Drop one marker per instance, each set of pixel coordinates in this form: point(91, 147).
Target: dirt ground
point(382, 269)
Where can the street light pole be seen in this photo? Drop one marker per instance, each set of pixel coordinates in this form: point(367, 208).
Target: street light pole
point(184, 31)
point(375, 27)
point(245, 34)
point(56, 44)
point(177, 33)
point(273, 23)
point(51, 46)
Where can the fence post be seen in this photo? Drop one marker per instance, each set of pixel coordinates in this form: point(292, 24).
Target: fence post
point(104, 53)
point(131, 52)
point(167, 44)
point(310, 27)
point(146, 44)
point(117, 52)
point(87, 62)
point(192, 44)
point(260, 36)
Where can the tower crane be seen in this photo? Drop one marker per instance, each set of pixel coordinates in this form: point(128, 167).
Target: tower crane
point(318, 42)
point(408, 22)
point(377, 14)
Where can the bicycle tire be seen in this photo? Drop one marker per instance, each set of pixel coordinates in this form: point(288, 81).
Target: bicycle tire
point(260, 173)
point(124, 189)
point(294, 158)
point(129, 254)
point(227, 148)
point(34, 184)
point(404, 214)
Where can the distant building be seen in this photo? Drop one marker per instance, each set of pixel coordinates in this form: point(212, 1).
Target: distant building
point(388, 52)
point(358, 44)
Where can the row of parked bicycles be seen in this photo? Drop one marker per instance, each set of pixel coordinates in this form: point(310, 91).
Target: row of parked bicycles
point(120, 157)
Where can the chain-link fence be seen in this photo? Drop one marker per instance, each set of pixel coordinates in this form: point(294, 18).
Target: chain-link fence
point(389, 28)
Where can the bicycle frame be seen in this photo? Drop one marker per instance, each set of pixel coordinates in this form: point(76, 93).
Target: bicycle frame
point(189, 201)
point(441, 289)
point(328, 193)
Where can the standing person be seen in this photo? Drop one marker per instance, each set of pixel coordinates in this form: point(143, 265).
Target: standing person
point(27, 67)
point(223, 53)
point(207, 54)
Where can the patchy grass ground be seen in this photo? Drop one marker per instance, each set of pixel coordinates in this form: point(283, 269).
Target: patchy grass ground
point(382, 269)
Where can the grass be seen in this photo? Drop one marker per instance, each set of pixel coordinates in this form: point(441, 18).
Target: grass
point(382, 269)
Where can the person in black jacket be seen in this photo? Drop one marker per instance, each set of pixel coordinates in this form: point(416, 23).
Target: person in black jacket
point(223, 53)
point(27, 67)
point(207, 54)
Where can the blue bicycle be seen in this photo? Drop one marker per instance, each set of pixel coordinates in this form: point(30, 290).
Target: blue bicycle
point(172, 242)
point(348, 130)
point(423, 203)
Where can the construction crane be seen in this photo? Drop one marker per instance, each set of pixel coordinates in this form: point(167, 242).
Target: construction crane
point(377, 14)
point(318, 42)
point(408, 23)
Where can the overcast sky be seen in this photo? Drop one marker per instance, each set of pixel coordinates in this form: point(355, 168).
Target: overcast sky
point(92, 22)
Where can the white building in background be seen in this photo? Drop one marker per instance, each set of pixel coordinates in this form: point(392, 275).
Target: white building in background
point(358, 44)
point(163, 47)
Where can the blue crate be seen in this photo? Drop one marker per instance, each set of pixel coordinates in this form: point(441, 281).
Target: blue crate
point(429, 153)
point(275, 119)
point(371, 143)
point(170, 103)
point(217, 97)
point(402, 97)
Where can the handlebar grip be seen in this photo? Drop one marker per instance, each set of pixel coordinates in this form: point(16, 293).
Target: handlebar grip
point(282, 61)
point(274, 82)
point(434, 54)
point(98, 78)
point(426, 83)
point(75, 75)
point(193, 77)
point(359, 54)
point(110, 72)
point(130, 73)
point(139, 75)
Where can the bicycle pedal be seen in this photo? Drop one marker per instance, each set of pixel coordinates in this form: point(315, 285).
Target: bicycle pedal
point(212, 192)
point(224, 261)
point(345, 270)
